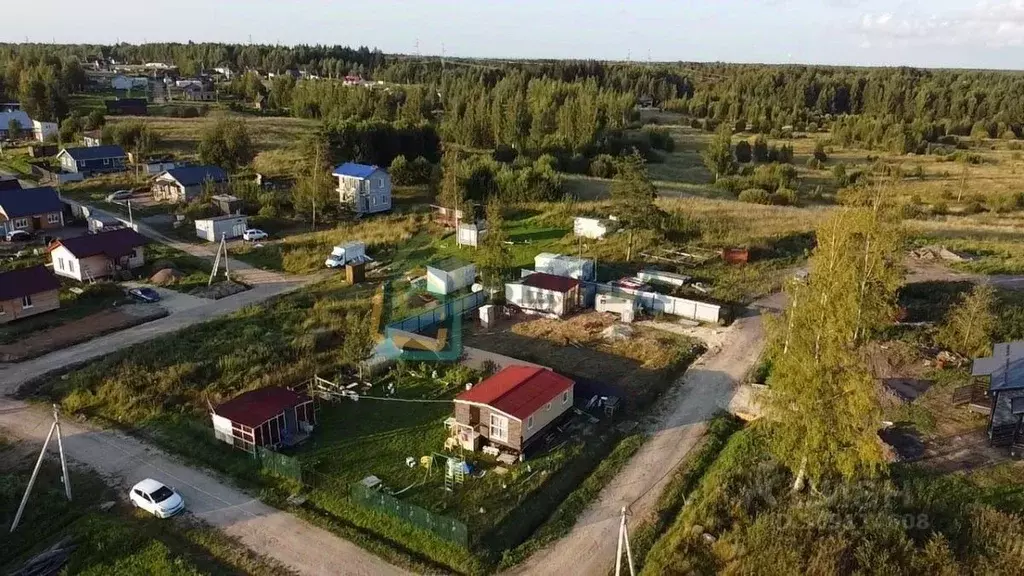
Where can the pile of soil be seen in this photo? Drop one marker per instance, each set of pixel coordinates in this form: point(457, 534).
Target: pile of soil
point(165, 276)
point(219, 290)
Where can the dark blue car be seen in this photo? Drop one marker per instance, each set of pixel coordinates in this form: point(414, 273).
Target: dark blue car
point(144, 294)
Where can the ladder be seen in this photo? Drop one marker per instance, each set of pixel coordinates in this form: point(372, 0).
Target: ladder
point(455, 474)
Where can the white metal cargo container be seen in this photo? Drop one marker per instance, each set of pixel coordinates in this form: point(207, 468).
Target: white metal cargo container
point(544, 294)
point(212, 229)
point(562, 265)
point(613, 304)
point(449, 275)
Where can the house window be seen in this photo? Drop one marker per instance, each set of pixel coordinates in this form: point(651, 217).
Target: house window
point(499, 428)
point(53, 217)
point(106, 161)
point(565, 397)
point(529, 423)
point(60, 263)
point(26, 301)
point(548, 407)
point(71, 265)
point(21, 222)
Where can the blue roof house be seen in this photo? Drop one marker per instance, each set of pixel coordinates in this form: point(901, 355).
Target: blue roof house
point(93, 160)
point(363, 189)
point(1004, 372)
point(186, 184)
point(30, 209)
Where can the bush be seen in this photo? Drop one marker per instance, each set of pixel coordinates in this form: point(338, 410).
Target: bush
point(815, 164)
point(1010, 202)
point(603, 166)
point(504, 153)
point(940, 208)
point(755, 196)
point(974, 208)
point(784, 197)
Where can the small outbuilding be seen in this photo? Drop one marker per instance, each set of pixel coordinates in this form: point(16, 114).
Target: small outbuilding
point(449, 275)
point(470, 233)
point(543, 293)
point(230, 226)
point(271, 417)
point(562, 265)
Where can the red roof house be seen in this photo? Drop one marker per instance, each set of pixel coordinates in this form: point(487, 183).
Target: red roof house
point(544, 293)
point(514, 406)
point(271, 416)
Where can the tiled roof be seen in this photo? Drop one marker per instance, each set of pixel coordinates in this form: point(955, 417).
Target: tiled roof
point(21, 202)
point(518, 391)
point(112, 244)
point(551, 282)
point(255, 407)
point(95, 152)
point(195, 175)
point(355, 170)
point(26, 281)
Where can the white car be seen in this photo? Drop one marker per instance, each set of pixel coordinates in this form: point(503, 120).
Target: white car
point(156, 498)
point(119, 195)
point(253, 234)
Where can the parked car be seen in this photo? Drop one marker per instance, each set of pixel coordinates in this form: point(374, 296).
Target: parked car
point(144, 294)
point(119, 195)
point(156, 498)
point(254, 234)
point(18, 236)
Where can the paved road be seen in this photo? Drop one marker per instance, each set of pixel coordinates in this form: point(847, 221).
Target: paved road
point(280, 536)
point(679, 421)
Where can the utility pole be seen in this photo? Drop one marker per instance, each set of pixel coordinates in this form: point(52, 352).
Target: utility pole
point(623, 538)
point(131, 221)
point(39, 464)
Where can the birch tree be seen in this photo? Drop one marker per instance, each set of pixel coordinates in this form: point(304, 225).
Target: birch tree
point(823, 406)
point(970, 323)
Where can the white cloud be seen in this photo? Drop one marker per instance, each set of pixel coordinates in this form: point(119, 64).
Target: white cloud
point(987, 23)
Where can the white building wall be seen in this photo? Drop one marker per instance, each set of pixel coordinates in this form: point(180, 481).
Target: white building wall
point(533, 298)
point(65, 264)
point(547, 414)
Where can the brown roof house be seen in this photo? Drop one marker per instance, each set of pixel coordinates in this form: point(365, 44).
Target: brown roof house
point(27, 292)
point(269, 417)
point(98, 255)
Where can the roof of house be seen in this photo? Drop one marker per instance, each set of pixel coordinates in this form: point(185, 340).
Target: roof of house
point(518, 391)
point(10, 184)
point(354, 170)
point(551, 282)
point(1005, 366)
point(449, 264)
point(20, 115)
point(94, 152)
point(224, 217)
point(195, 175)
point(18, 202)
point(127, 102)
point(25, 281)
point(255, 407)
point(111, 244)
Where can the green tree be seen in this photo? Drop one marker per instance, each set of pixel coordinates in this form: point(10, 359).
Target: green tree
point(71, 129)
point(95, 120)
point(494, 253)
point(743, 152)
point(823, 407)
point(969, 325)
point(226, 144)
point(718, 154)
point(819, 152)
point(14, 129)
point(760, 149)
point(633, 196)
point(314, 190)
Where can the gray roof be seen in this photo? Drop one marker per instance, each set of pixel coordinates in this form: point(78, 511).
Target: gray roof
point(95, 152)
point(1005, 366)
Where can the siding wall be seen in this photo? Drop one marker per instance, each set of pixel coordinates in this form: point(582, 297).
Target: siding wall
point(44, 222)
point(543, 417)
point(41, 302)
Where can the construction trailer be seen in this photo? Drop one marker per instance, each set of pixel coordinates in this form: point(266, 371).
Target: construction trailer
point(213, 229)
point(562, 265)
point(470, 233)
point(592, 228)
point(547, 294)
point(449, 275)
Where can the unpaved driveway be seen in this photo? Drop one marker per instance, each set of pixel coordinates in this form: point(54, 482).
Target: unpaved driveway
point(295, 543)
point(679, 420)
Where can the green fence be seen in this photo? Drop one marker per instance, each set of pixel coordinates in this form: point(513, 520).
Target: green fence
point(275, 463)
point(451, 530)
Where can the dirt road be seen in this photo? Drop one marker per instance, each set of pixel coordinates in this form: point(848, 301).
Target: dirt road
point(678, 422)
point(280, 536)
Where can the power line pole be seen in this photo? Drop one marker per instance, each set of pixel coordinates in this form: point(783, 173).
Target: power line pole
point(623, 538)
point(39, 464)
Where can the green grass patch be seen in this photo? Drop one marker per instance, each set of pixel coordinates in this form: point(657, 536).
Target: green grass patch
point(195, 270)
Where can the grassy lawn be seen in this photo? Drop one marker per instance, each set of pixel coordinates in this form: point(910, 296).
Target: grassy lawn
point(117, 542)
point(15, 161)
point(94, 298)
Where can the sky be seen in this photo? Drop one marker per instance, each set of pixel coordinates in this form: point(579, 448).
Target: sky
point(932, 33)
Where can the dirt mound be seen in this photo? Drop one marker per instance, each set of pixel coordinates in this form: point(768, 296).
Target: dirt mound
point(219, 290)
point(165, 276)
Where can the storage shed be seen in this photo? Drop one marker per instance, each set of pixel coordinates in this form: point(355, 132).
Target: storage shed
point(592, 228)
point(562, 265)
point(271, 416)
point(212, 229)
point(545, 294)
point(449, 275)
point(470, 233)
